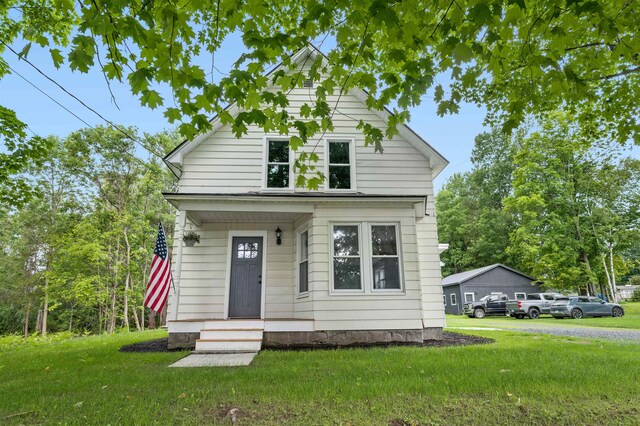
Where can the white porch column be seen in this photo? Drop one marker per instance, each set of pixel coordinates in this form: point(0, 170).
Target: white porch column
point(182, 219)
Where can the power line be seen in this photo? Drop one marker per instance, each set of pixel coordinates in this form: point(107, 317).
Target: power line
point(140, 161)
point(47, 95)
point(106, 120)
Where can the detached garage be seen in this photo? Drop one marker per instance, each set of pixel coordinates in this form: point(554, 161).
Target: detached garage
point(473, 285)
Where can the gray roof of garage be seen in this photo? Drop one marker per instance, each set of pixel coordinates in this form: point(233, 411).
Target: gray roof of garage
point(467, 275)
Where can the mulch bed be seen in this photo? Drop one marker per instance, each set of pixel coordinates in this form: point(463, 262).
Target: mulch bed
point(449, 339)
point(156, 345)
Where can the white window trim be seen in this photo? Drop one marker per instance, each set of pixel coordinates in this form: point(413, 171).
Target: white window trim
point(299, 232)
point(227, 285)
point(332, 289)
point(399, 256)
point(265, 167)
point(352, 162)
point(473, 297)
point(366, 268)
point(522, 293)
point(444, 299)
point(453, 299)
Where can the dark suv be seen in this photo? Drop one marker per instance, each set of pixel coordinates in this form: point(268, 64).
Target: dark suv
point(493, 304)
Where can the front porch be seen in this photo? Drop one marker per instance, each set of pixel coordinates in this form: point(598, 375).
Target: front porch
point(241, 270)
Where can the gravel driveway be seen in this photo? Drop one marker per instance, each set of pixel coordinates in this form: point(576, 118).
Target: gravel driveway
point(582, 331)
point(588, 332)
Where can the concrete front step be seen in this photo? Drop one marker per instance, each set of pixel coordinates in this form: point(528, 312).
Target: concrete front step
point(229, 345)
point(231, 334)
point(233, 324)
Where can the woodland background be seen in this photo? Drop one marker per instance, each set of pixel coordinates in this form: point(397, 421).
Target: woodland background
point(76, 255)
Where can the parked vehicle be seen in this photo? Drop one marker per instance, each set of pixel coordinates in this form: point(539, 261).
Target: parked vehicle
point(535, 305)
point(493, 304)
point(583, 306)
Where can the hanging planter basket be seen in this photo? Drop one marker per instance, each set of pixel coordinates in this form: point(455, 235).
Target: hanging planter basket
point(190, 238)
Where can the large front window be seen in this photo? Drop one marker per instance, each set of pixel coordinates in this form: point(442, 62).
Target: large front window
point(366, 257)
point(346, 257)
point(384, 257)
point(278, 164)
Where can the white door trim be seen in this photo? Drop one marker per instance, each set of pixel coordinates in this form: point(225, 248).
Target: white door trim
point(227, 283)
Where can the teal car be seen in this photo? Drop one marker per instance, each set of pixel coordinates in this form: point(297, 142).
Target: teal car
point(584, 306)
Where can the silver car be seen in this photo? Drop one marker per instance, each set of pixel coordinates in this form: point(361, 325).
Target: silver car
point(584, 306)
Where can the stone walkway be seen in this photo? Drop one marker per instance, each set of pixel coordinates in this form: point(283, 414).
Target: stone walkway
point(216, 360)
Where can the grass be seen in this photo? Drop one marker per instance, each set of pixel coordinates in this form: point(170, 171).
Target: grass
point(630, 320)
point(520, 378)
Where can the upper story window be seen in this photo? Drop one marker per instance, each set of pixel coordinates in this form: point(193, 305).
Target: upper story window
point(278, 164)
point(340, 162)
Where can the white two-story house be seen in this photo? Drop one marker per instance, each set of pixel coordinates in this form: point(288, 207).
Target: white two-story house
point(355, 262)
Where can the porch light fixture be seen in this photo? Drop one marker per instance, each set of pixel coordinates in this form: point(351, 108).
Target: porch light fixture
point(278, 236)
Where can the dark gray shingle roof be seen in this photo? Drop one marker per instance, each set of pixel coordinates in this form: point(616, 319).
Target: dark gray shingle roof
point(467, 275)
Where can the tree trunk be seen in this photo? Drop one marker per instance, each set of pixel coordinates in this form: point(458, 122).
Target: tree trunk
point(163, 315)
point(112, 319)
point(613, 276)
point(27, 316)
point(152, 320)
point(45, 308)
point(39, 321)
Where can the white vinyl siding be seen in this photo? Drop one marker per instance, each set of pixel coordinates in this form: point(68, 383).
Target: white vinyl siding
point(430, 275)
point(364, 310)
point(204, 273)
point(224, 164)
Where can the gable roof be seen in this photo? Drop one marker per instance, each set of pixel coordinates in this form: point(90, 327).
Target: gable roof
point(436, 160)
point(467, 275)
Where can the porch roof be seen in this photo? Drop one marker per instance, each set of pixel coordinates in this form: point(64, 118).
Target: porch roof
point(250, 207)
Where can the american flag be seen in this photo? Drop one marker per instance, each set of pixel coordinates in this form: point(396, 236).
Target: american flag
point(160, 278)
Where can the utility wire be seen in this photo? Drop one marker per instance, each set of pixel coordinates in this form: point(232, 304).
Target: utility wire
point(106, 120)
point(47, 95)
point(140, 161)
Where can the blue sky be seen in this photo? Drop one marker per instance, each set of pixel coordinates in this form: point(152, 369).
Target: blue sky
point(450, 135)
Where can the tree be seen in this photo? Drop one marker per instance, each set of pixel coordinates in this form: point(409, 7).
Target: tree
point(471, 218)
point(517, 58)
point(575, 207)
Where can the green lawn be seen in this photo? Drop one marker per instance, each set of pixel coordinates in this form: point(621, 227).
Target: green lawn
point(518, 379)
point(631, 319)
